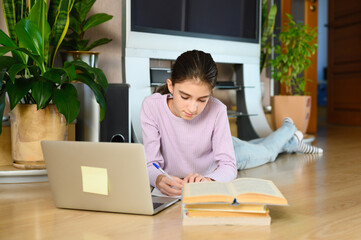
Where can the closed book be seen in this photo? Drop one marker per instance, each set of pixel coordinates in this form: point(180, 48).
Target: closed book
point(225, 218)
point(245, 208)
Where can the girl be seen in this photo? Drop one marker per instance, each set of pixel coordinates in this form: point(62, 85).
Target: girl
point(186, 131)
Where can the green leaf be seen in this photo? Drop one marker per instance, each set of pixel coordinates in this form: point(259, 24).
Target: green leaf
point(29, 36)
point(6, 62)
point(95, 20)
point(70, 71)
point(97, 92)
point(38, 16)
point(54, 75)
point(53, 11)
point(75, 25)
point(97, 43)
point(60, 26)
point(83, 7)
point(8, 42)
point(66, 100)
point(18, 90)
point(101, 79)
point(15, 69)
point(41, 92)
point(10, 17)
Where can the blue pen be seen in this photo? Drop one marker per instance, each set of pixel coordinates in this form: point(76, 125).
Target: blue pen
point(162, 171)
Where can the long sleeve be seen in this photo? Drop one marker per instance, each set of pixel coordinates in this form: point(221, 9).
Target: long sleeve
point(223, 150)
point(151, 140)
point(202, 145)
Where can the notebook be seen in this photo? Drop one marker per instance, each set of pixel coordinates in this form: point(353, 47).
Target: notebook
point(101, 176)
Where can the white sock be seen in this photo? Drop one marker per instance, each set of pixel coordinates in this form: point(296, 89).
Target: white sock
point(287, 119)
point(303, 147)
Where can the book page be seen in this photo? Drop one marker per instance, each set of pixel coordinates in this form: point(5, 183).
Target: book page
point(157, 193)
point(207, 188)
point(255, 185)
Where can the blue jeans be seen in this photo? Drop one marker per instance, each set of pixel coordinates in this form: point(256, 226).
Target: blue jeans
point(264, 150)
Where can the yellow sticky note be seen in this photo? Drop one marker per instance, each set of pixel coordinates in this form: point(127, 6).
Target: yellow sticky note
point(95, 180)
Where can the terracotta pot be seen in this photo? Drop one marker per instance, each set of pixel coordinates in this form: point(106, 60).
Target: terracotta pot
point(296, 107)
point(28, 128)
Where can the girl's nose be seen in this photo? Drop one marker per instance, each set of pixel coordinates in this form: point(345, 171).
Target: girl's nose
point(193, 107)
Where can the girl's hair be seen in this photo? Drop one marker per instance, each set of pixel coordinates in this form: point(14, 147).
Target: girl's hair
point(195, 65)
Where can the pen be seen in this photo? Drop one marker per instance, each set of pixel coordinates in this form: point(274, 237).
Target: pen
point(162, 171)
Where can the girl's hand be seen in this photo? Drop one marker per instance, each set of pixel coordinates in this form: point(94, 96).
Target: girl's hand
point(196, 177)
point(168, 186)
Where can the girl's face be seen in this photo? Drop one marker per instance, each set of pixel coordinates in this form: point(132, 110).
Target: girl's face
point(190, 97)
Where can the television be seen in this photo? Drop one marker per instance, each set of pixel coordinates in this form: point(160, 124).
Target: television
point(234, 20)
point(163, 29)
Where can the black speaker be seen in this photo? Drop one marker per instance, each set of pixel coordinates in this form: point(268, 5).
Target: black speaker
point(115, 126)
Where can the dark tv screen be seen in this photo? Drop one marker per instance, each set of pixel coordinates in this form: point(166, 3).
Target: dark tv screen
point(235, 20)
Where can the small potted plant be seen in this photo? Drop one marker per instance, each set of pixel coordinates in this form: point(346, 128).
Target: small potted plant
point(77, 46)
point(42, 99)
point(292, 58)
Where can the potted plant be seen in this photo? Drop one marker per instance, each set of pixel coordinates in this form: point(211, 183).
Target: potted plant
point(75, 43)
point(32, 82)
point(292, 58)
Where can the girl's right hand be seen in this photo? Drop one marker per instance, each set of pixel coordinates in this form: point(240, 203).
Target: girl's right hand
point(168, 186)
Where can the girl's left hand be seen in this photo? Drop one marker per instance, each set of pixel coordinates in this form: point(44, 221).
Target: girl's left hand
point(196, 177)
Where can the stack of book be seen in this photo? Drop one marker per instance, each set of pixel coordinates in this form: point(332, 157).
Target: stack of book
point(243, 201)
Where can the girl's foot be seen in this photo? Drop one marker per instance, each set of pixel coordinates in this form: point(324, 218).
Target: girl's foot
point(305, 148)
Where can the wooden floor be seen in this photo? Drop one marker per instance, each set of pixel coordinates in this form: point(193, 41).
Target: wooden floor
point(324, 195)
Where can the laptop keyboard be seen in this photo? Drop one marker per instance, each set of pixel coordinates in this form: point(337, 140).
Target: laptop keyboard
point(155, 205)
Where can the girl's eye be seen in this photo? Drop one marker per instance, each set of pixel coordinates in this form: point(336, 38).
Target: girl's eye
point(202, 100)
point(185, 98)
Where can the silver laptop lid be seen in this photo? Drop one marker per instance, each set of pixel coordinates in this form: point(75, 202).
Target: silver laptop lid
point(119, 169)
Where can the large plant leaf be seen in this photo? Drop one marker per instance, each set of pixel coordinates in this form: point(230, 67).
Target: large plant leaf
point(10, 17)
point(101, 79)
point(36, 58)
point(95, 20)
point(75, 25)
point(54, 75)
point(90, 72)
point(41, 92)
point(6, 62)
point(18, 90)
point(98, 43)
point(53, 11)
point(30, 37)
point(82, 8)
point(97, 92)
point(38, 16)
point(70, 71)
point(15, 69)
point(5, 40)
point(20, 9)
point(66, 100)
point(60, 26)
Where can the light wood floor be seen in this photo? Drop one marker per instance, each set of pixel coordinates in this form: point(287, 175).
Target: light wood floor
point(324, 195)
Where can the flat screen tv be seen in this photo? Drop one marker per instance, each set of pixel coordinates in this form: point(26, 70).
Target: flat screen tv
point(234, 20)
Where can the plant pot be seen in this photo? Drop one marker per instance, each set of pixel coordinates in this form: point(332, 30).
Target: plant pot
point(90, 57)
point(28, 128)
point(296, 107)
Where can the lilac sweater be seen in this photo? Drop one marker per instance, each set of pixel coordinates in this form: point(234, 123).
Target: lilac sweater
point(202, 145)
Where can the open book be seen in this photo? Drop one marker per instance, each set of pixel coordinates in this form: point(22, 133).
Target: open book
point(241, 190)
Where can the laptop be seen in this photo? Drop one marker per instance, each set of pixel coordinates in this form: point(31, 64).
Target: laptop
point(101, 176)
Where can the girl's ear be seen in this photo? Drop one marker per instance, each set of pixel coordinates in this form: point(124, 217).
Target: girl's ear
point(170, 86)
